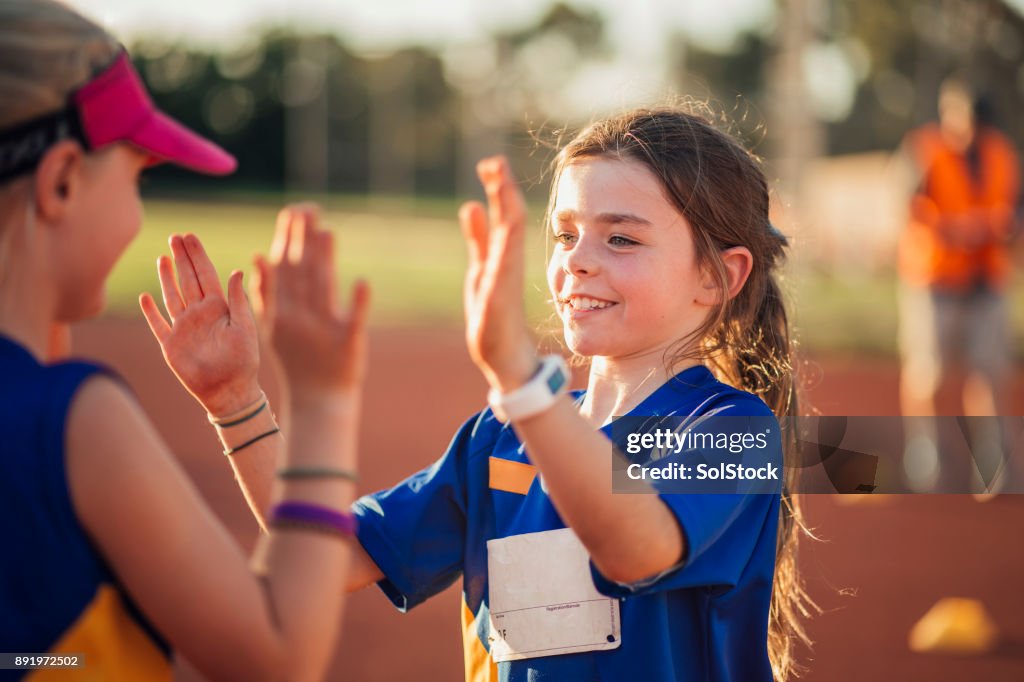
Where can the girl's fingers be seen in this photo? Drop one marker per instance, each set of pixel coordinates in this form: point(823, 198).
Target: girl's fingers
point(324, 265)
point(505, 269)
point(169, 288)
point(238, 305)
point(298, 228)
point(473, 220)
point(188, 281)
point(157, 324)
point(505, 201)
point(507, 210)
point(262, 287)
point(298, 278)
point(360, 308)
point(206, 273)
point(282, 235)
point(487, 170)
point(304, 230)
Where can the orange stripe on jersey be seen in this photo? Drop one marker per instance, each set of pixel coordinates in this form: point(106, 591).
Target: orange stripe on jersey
point(479, 665)
point(114, 645)
point(511, 477)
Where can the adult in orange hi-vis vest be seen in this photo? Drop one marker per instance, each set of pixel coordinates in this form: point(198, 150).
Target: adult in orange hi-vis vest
point(954, 264)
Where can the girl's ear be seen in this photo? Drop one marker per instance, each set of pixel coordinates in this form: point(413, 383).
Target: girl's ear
point(737, 262)
point(57, 179)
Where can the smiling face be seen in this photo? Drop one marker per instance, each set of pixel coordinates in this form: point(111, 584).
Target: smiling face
point(624, 272)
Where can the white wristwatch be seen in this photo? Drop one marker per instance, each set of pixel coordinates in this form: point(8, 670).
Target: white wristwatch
point(536, 395)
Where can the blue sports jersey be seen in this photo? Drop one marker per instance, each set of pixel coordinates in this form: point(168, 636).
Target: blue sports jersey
point(706, 619)
point(57, 594)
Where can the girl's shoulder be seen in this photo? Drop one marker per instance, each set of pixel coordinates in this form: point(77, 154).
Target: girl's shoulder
point(33, 390)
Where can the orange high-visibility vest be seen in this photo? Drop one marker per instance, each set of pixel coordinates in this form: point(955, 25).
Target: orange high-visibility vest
point(948, 188)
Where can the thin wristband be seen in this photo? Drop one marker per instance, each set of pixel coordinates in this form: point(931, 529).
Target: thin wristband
point(295, 473)
point(238, 414)
point(271, 432)
point(223, 425)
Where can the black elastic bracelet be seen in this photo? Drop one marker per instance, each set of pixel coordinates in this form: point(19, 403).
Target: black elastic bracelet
point(231, 451)
point(244, 419)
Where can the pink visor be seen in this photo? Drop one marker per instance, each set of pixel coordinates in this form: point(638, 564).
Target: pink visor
point(115, 107)
point(112, 107)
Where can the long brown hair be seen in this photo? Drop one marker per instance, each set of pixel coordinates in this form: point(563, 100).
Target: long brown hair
point(719, 187)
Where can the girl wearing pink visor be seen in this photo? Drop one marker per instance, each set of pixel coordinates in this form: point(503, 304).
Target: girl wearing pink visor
point(111, 559)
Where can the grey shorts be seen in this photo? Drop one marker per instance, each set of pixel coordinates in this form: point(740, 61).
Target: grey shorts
point(940, 329)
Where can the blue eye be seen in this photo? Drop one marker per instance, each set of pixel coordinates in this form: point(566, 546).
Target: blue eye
point(619, 240)
point(564, 237)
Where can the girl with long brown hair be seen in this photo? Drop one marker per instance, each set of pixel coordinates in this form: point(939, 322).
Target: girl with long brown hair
point(662, 273)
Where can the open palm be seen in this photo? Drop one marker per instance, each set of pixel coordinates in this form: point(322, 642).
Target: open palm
point(496, 333)
point(321, 344)
point(210, 341)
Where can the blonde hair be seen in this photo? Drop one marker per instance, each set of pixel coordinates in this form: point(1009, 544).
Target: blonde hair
point(47, 50)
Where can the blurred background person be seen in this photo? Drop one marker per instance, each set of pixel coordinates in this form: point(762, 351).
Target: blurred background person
point(954, 267)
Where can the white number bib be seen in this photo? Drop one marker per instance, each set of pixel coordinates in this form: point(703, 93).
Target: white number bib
point(542, 598)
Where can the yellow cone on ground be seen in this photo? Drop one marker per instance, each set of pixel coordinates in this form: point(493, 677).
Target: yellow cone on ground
point(954, 625)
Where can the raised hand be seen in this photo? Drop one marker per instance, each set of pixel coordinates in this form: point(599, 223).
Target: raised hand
point(496, 333)
point(210, 342)
point(321, 347)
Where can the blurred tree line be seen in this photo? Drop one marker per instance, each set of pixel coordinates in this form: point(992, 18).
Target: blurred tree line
point(245, 99)
point(305, 112)
point(894, 55)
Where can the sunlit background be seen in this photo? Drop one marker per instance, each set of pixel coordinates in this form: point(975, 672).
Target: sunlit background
point(379, 110)
point(382, 108)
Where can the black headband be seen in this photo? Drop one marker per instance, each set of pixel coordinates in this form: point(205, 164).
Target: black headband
point(23, 147)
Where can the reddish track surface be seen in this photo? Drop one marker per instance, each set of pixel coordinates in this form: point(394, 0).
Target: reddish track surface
point(883, 563)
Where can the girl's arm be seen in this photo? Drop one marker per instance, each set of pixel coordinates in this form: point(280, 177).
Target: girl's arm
point(279, 619)
point(629, 537)
point(255, 471)
point(273, 621)
point(216, 358)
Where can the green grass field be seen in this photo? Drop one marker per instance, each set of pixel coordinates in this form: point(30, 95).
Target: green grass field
point(415, 265)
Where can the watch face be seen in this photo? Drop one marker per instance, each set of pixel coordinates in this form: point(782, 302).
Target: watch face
point(556, 381)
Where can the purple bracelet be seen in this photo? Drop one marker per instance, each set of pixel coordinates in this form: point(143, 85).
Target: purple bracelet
point(315, 516)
